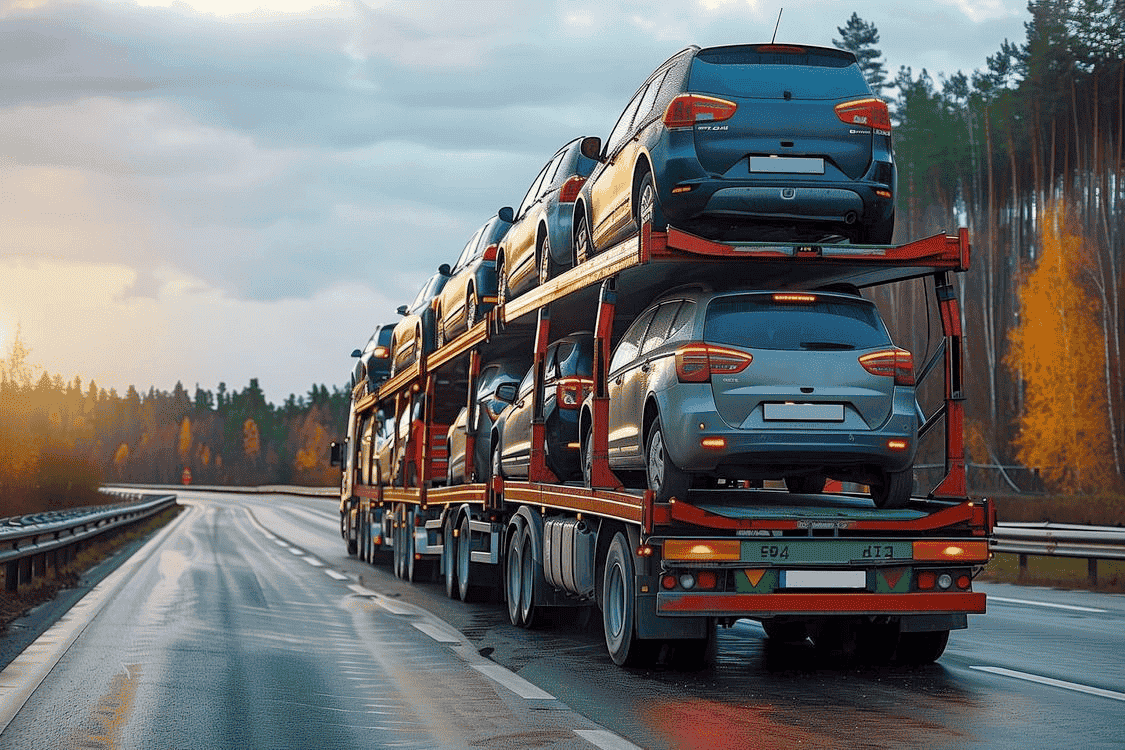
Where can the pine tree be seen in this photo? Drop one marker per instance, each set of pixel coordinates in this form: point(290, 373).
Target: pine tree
point(860, 38)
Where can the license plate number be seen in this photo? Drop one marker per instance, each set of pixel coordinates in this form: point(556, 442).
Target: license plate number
point(803, 412)
point(823, 579)
point(786, 165)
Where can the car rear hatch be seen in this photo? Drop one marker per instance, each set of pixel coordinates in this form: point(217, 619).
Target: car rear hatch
point(806, 370)
point(785, 115)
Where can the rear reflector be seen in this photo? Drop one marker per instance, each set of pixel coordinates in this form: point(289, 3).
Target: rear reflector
point(569, 191)
point(490, 252)
point(702, 549)
point(688, 109)
point(959, 551)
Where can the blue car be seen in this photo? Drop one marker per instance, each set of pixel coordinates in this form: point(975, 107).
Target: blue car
point(763, 142)
point(470, 291)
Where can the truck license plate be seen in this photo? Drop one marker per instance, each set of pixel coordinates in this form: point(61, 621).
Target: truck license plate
point(823, 579)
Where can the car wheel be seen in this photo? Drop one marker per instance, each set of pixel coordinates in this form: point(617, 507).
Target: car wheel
point(809, 484)
point(546, 265)
point(893, 490)
point(648, 211)
point(588, 459)
point(440, 331)
point(470, 309)
point(583, 245)
point(502, 290)
point(497, 466)
point(664, 478)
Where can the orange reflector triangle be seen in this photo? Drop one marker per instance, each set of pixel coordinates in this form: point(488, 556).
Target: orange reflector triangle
point(893, 576)
point(755, 576)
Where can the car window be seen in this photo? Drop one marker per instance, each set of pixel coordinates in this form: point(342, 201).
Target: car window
point(644, 111)
point(683, 324)
point(621, 130)
point(526, 383)
point(673, 84)
point(532, 192)
point(661, 323)
point(469, 252)
point(763, 322)
point(550, 175)
point(744, 71)
point(630, 344)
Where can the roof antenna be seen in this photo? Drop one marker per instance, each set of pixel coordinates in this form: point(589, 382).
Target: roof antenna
point(776, 25)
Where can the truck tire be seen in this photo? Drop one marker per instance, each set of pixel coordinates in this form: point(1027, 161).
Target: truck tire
point(664, 478)
point(449, 559)
point(918, 649)
point(619, 608)
point(894, 489)
point(521, 580)
point(467, 590)
point(410, 570)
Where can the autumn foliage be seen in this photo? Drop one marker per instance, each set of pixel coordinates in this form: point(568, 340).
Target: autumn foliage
point(1056, 351)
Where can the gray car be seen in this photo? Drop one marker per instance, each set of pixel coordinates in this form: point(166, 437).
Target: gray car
point(495, 374)
point(800, 386)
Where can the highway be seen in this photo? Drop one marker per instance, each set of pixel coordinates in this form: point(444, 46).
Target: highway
point(244, 624)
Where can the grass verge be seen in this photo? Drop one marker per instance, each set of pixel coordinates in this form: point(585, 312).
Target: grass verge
point(46, 587)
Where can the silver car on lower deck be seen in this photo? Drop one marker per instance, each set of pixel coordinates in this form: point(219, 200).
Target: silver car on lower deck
point(751, 385)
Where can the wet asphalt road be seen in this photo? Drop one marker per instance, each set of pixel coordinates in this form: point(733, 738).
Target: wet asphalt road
point(232, 635)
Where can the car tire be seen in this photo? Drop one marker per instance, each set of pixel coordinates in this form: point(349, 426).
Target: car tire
point(441, 337)
point(648, 206)
point(502, 290)
point(664, 478)
point(893, 490)
point(470, 309)
point(546, 262)
point(583, 244)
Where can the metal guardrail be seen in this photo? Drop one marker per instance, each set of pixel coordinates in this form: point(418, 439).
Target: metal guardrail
point(266, 489)
point(1061, 540)
point(28, 544)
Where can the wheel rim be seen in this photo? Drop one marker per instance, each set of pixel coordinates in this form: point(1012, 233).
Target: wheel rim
point(448, 548)
point(648, 200)
point(583, 242)
point(440, 334)
point(615, 604)
point(588, 461)
point(502, 283)
point(545, 261)
point(471, 310)
point(656, 460)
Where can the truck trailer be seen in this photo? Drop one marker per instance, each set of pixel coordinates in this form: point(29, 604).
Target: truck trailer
point(830, 567)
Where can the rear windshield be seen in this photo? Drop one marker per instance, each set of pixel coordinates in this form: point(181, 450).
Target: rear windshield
point(816, 73)
point(829, 324)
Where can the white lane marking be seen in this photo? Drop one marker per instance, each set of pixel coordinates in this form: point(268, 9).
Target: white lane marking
point(281, 543)
point(605, 739)
point(513, 682)
point(392, 607)
point(436, 633)
point(1112, 694)
point(313, 562)
point(337, 576)
point(296, 551)
point(1072, 607)
point(362, 590)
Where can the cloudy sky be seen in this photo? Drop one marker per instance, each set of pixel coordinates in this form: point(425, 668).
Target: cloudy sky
point(216, 190)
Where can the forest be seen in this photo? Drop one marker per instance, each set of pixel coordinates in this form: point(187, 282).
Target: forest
point(1026, 152)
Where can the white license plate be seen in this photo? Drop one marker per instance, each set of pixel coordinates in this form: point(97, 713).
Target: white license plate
point(787, 164)
point(823, 579)
point(794, 412)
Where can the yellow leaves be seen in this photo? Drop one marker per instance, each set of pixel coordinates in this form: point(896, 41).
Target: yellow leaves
point(185, 438)
point(1056, 350)
point(121, 456)
point(251, 440)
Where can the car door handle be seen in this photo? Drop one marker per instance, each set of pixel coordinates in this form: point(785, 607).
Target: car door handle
point(619, 380)
point(645, 367)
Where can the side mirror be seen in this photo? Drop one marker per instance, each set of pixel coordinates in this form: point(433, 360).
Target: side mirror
point(592, 148)
point(402, 310)
point(335, 455)
point(506, 214)
point(356, 353)
point(507, 392)
point(443, 269)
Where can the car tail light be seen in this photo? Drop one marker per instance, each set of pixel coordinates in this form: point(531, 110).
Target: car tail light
point(895, 363)
point(696, 363)
point(785, 49)
point(688, 109)
point(381, 352)
point(871, 112)
point(490, 252)
point(569, 191)
point(570, 392)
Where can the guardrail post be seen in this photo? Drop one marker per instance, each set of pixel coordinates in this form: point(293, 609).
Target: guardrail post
point(1092, 571)
point(12, 576)
point(1023, 567)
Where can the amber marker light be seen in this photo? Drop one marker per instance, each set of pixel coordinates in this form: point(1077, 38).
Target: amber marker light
point(714, 443)
point(966, 551)
point(702, 549)
point(897, 445)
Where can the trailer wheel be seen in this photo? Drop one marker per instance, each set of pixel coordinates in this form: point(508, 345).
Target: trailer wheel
point(410, 570)
point(893, 491)
point(353, 544)
point(449, 559)
point(514, 583)
point(664, 478)
point(618, 607)
point(921, 648)
point(465, 587)
point(398, 543)
point(694, 654)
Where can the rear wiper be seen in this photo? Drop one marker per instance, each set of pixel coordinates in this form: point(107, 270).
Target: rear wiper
point(826, 345)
